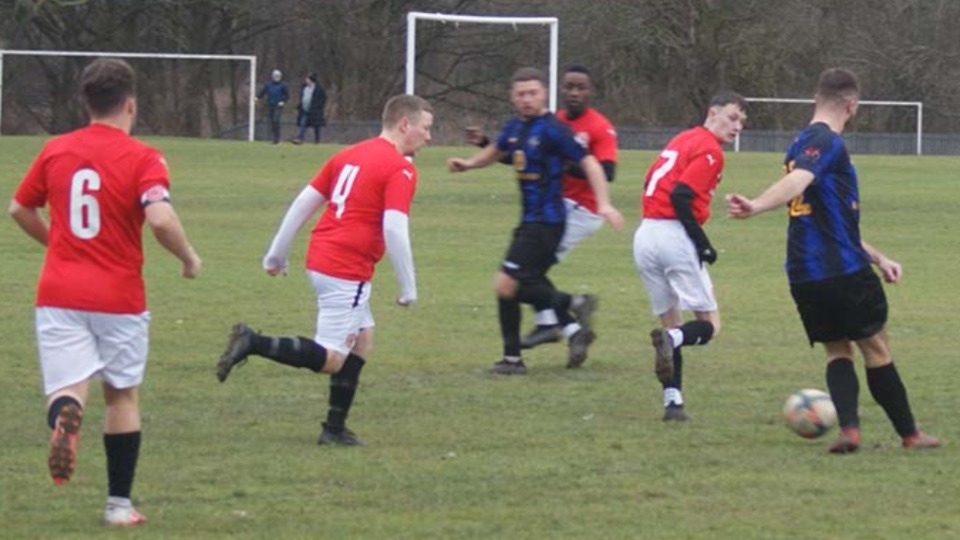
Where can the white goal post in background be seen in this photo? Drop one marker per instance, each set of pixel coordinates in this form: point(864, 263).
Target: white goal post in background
point(414, 16)
point(170, 56)
point(916, 104)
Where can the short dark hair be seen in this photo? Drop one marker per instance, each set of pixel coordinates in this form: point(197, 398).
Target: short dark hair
point(312, 77)
point(727, 97)
point(837, 84)
point(525, 74)
point(404, 105)
point(106, 83)
point(578, 68)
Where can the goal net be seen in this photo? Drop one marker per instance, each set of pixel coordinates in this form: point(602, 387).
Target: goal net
point(462, 64)
point(188, 95)
point(880, 127)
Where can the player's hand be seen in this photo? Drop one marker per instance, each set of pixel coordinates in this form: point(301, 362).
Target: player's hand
point(707, 255)
point(612, 215)
point(274, 266)
point(475, 136)
point(191, 268)
point(457, 165)
point(891, 269)
point(739, 207)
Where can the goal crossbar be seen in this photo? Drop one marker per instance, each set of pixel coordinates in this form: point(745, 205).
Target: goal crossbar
point(414, 16)
point(170, 56)
point(917, 104)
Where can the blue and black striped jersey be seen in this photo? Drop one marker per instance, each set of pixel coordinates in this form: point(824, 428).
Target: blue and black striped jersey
point(538, 148)
point(823, 238)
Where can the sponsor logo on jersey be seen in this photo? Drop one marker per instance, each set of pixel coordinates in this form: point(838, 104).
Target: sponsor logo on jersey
point(812, 153)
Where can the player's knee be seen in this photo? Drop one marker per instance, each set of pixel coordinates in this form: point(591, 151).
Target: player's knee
point(335, 360)
point(505, 287)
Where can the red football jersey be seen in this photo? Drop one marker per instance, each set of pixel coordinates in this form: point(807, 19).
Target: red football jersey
point(360, 183)
point(95, 181)
point(693, 157)
point(597, 135)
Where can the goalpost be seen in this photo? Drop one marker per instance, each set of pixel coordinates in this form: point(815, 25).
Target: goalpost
point(252, 60)
point(915, 104)
point(414, 16)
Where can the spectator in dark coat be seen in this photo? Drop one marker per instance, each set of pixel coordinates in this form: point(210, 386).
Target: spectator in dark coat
point(313, 100)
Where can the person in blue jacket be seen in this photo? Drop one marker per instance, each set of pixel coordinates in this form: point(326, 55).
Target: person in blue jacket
point(277, 94)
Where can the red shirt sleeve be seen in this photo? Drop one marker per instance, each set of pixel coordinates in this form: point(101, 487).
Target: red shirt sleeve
point(603, 144)
point(400, 189)
point(702, 174)
point(321, 182)
point(32, 192)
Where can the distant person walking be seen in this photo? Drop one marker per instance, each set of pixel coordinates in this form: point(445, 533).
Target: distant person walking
point(277, 94)
point(313, 100)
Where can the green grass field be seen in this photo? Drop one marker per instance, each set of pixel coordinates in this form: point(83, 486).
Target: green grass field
point(453, 452)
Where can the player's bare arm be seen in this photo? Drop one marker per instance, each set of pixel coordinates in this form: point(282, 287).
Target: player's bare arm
point(30, 220)
point(598, 182)
point(168, 231)
point(777, 195)
point(487, 155)
point(892, 270)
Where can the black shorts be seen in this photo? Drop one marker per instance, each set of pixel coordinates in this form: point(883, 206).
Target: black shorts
point(849, 307)
point(532, 251)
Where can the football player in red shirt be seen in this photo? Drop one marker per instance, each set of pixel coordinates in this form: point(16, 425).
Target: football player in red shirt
point(367, 189)
point(596, 133)
point(99, 185)
point(670, 246)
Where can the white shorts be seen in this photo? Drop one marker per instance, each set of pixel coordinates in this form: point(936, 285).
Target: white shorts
point(76, 345)
point(581, 224)
point(343, 310)
point(671, 271)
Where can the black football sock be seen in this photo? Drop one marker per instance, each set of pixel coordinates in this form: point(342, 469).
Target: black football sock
point(510, 326)
point(561, 305)
point(343, 386)
point(58, 404)
point(844, 390)
point(544, 302)
point(677, 380)
point(697, 332)
point(122, 450)
point(887, 389)
point(297, 351)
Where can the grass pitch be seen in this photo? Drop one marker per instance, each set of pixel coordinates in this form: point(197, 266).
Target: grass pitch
point(453, 452)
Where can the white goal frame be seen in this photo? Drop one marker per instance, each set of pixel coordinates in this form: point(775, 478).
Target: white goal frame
point(414, 16)
point(169, 56)
point(917, 104)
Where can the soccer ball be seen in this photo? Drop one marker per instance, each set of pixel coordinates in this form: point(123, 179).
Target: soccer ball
point(809, 413)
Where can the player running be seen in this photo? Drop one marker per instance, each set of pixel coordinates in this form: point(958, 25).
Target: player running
point(670, 247)
point(100, 185)
point(595, 133)
point(367, 189)
point(538, 146)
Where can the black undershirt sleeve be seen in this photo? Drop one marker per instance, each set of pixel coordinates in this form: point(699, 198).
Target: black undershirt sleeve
point(681, 198)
